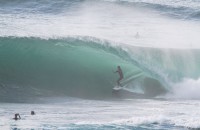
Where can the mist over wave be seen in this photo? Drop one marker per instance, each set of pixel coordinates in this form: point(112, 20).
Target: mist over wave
point(119, 22)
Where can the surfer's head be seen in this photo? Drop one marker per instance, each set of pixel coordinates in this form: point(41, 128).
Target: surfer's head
point(32, 113)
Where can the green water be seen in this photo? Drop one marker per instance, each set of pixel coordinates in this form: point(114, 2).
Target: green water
point(84, 68)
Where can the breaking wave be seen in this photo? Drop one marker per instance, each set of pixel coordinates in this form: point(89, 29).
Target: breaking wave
point(83, 67)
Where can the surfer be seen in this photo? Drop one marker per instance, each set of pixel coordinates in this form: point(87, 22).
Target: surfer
point(119, 71)
point(17, 116)
point(32, 113)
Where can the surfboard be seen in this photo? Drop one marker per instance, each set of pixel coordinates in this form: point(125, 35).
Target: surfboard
point(117, 88)
point(124, 92)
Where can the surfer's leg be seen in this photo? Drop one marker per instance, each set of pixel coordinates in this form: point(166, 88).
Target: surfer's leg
point(118, 82)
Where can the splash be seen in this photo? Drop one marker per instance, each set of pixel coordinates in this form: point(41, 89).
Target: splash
point(187, 89)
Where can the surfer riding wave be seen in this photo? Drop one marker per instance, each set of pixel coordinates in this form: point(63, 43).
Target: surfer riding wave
point(119, 71)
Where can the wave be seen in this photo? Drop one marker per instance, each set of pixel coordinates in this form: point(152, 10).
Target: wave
point(83, 67)
point(61, 66)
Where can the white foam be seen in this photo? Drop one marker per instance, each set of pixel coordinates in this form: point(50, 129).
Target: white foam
point(187, 89)
point(151, 113)
point(139, 120)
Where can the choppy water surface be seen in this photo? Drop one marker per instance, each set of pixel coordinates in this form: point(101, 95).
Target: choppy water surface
point(89, 114)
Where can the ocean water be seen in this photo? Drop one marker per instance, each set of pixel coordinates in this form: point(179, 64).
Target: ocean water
point(58, 58)
point(78, 114)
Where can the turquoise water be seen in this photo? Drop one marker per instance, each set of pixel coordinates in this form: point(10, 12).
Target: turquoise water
point(33, 67)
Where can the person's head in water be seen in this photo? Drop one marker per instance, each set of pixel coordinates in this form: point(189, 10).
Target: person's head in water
point(32, 113)
point(17, 116)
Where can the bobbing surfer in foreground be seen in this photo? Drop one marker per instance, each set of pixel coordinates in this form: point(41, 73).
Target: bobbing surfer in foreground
point(119, 71)
point(17, 116)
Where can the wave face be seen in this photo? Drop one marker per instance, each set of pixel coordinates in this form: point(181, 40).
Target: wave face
point(84, 68)
point(72, 67)
point(71, 48)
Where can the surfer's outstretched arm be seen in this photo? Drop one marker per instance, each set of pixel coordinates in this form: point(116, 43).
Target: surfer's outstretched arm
point(115, 71)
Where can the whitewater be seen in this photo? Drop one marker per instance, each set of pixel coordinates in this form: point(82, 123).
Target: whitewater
point(58, 57)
